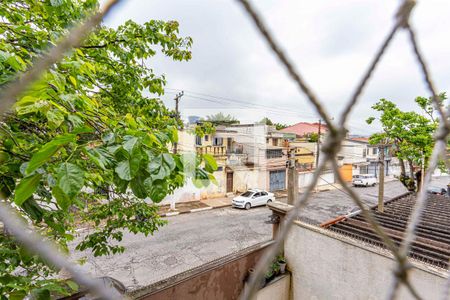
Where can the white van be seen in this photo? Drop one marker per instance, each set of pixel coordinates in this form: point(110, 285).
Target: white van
point(364, 180)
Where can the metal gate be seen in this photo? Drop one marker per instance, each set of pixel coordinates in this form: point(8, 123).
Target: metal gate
point(278, 180)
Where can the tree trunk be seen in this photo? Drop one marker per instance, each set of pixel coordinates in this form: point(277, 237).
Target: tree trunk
point(411, 169)
point(411, 175)
point(402, 167)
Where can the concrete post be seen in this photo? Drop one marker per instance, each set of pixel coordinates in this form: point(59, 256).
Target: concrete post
point(279, 211)
point(292, 178)
point(381, 181)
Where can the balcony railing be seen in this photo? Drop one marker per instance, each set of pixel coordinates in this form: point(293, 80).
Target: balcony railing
point(213, 150)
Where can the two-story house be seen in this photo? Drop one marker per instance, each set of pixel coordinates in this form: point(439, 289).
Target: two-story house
point(266, 152)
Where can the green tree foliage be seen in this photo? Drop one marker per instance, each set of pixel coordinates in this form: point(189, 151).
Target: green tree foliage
point(313, 137)
point(265, 121)
point(222, 119)
point(89, 141)
point(279, 126)
point(409, 133)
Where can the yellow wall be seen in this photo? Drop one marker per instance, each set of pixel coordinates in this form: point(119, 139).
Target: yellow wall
point(304, 156)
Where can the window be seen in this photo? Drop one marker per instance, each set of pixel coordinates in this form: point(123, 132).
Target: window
point(374, 151)
point(219, 169)
point(206, 138)
point(217, 141)
point(275, 142)
point(198, 140)
point(274, 153)
point(363, 169)
point(257, 195)
point(263, 193)
point(364, 152)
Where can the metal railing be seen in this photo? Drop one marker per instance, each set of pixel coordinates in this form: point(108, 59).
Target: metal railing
point(38, 245)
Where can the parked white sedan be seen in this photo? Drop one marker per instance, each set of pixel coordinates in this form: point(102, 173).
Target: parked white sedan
point(252, 198)
point(364, 180)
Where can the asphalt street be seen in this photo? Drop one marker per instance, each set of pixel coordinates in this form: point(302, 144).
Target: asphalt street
point(190, 240)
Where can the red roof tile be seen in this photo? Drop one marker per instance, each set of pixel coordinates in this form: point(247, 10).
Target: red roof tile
point(304, 128)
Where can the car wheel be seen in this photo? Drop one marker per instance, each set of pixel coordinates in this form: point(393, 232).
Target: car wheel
point(248, 206)
point(374, 184)
point(268, 201)
point(367, 184)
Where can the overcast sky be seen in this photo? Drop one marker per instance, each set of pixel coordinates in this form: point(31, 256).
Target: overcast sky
point(331, 43)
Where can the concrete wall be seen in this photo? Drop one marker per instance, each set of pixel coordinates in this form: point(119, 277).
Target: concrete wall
point(245, 178)
point(327, 266)
point(221, 279)
point(278, 289)
point(305, 178)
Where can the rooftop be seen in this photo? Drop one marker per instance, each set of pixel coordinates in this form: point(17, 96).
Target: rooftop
point(432, 244)
point(304, 128)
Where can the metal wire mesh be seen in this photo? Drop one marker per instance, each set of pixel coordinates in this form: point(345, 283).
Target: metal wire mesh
point(331, 147)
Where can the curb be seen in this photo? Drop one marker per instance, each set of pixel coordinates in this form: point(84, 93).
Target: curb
point(194, 210)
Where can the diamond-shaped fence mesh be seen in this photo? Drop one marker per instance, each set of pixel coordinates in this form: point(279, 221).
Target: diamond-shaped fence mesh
point(332, 145)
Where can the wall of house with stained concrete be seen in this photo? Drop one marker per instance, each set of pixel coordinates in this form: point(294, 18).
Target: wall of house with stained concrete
point(325, 265)
point(305, 179)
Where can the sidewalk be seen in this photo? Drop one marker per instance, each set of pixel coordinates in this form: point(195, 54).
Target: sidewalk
point(194, 206)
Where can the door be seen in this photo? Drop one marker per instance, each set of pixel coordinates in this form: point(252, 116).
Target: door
point(277, 180)
point(264, 197)
point(256, 199)
point(230, 182)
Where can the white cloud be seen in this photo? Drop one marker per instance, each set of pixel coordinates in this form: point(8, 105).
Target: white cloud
point(330, 42)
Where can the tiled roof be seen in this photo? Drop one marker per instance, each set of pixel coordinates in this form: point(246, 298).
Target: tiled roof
point(304, 128)
point(432, 244)
point(360, 139)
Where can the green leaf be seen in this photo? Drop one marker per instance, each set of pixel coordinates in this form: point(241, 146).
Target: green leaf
point(7, 186)
point(138, 187)
point(41, 294)
point(62, 199)
point(55, 118)
point(127, 169)
point(73, 285)
point(210, 163)
point(70, 179)
point(161, 166)
point(33, 210)
point(130, 143)
point(46, 151)
point(26, 188)
point(157, 190)
point(100, 157)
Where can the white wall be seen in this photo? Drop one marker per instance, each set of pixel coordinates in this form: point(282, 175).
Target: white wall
point(305, 179)
point(325, 267)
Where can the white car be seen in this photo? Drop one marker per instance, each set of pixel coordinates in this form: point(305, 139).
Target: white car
point(364, 180)
point(252, 198)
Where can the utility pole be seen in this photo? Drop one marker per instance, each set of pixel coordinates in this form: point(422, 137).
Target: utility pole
point(292, 178)
point(381, 179)
point(177, 100)
point(318, 143)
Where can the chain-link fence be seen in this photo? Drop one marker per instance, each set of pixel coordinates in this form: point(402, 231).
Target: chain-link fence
point(331, 147)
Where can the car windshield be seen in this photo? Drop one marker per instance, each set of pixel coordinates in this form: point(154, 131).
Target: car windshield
point(247, 194)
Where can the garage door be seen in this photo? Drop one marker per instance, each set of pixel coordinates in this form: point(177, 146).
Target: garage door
point(278, 180)
point(346, 172)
